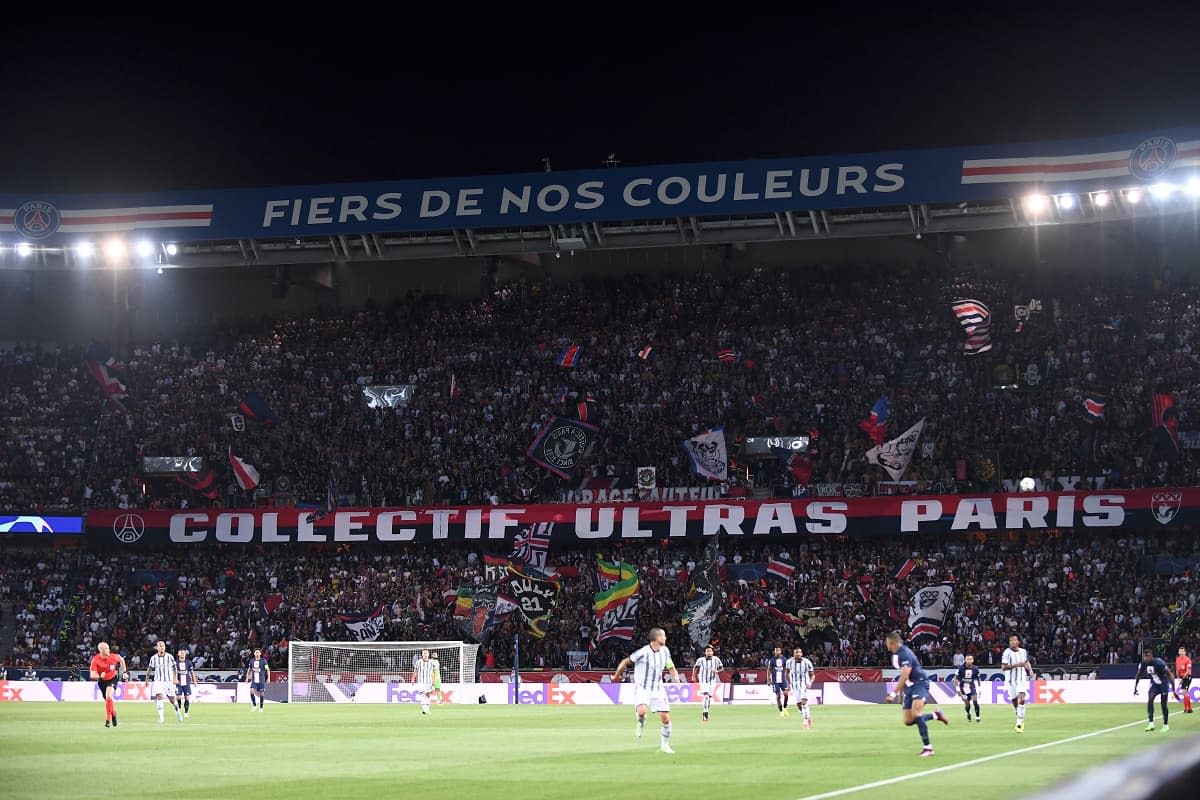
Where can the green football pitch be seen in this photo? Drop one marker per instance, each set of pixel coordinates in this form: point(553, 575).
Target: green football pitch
point(53, 750)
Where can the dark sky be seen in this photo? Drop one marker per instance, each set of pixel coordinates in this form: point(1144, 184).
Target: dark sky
point(356, 100)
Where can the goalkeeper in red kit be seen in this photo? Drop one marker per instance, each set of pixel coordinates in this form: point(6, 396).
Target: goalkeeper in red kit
point(104, 671)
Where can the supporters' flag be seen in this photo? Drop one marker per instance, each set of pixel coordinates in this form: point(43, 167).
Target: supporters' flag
point(927, 611)
point(745, 572)
point(893, 612)
point(254, 407)
point(1093, 406)
point(273, 602)
point(976, 321)
point(449, 596)
point(647, 478)
point(329, 502)
point(805, 619)
point(531, 544)
point(419, 603)
point(904, 569)
point(534, 598)
point(616, 601)
point(1168, 434)
point(570, 355)
point(895, 455)
point(475, 612)
point(455, 391)
point(1159, 403)
point(698, 617)
point(561, 397)
point(562, 444)
point(864, 590)
point(364, 627)
point(109, 374)
point(495, 568)
point(647, 353)
point(609, 572)
point(876, 423)
point(583, 411)
point(727, 355)
point(780, 569)
point(707, 575)
point(708, 455)
point(203, 483)
point(245, 474)
point(1113, 325)
point(464, 601)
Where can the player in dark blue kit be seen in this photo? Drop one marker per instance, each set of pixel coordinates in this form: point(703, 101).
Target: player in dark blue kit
point(777, 677)
point(968, 687)
point(1161, 682)
point(186, 676)
point(259, 675)
point(913, 680)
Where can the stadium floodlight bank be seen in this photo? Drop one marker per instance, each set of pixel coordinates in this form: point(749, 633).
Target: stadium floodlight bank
point(332, 672)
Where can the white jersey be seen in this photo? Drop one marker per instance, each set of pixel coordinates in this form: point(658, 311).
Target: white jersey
point(648, 668)
point(1017, 676)
point(162, 668)
point(423, 670)
point(799, 672)
point(708, 669)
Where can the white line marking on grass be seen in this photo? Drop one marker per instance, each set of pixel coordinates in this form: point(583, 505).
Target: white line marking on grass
point(913, 775)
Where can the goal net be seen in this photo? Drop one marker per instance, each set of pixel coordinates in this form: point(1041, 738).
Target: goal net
point(372, 672)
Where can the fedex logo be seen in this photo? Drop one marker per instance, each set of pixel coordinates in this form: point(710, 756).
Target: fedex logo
point(10, 693)
point(1039, 693)
point(125, 691)
point(551, 695)
point(397, 695)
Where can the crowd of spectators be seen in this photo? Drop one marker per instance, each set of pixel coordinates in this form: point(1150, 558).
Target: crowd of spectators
point(1075, 599)
point(813, 350)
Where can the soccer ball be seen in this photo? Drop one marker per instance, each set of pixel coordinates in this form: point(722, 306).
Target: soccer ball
point(1027, 485)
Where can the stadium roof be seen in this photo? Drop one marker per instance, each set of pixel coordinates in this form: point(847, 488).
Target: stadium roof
point(857, 195)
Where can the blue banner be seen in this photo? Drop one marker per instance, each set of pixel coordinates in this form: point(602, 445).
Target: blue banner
point(608, 195)
point(30, 523)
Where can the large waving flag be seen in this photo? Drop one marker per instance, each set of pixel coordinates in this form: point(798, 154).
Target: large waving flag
point(616, 601)
point(109, 374)
point(532, 543)
point(254, 407)
point(896, 455)
point(562, 444)
point(1093, 407)
point(877, 423)
point(203, 482)
point(364, 627)
point(976, 321)
point(245, 474)
point(927, 611)
point(708, 455)
point(570, 356)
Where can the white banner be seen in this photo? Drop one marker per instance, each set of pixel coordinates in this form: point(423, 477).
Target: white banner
point(1043, 692)
point(708, 454)
point(895, 455)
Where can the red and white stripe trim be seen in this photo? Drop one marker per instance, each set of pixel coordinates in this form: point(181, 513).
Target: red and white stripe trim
point(1049, 169)
point(104, 220)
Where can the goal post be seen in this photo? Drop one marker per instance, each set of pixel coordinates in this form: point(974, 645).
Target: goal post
point(347, 672)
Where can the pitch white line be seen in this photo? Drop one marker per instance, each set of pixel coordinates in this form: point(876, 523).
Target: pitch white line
point(913, 775)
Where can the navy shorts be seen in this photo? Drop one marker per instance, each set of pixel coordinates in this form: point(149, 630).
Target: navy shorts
point(1157, 689)
point(258, 687)
point(184, 689)
point(779, 687)
point(918, 691)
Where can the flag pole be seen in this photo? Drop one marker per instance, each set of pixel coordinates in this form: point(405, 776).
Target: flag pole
point(516, 695)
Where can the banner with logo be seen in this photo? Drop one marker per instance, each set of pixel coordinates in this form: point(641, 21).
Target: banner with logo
point(534, 598)
point(895, 455)
point(388, 396)
point(366, 627)
point(575, 523)
point(562, 444)
point(927, 611)
point(708, 455)
point(21, 524)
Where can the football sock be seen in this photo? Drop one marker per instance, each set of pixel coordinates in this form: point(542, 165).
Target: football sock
point(807, 714)
point(1164, 708)
point(1021, 714)
point(109, 711)
point(159, 705)
point(976, 710)
point(924, 729)
point(666, 734)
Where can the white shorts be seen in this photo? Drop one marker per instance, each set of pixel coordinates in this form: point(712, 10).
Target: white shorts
point(165, 688)
point(657, 701)
point(425, 688)
point(1015, 688)
point(710, 689)
point(800, 692)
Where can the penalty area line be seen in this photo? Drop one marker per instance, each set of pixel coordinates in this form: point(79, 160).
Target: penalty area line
point(926, 772)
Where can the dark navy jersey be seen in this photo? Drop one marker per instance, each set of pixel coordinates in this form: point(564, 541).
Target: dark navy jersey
point(258, 670)
point(905, 657)
point(184, 671)
point(1156, 671)
point(968, 678)
point(777, 669)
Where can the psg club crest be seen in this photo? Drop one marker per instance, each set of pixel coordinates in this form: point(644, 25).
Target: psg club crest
point(1152, 158)
point(36, 220)
point(1165, 506)
point(128, 528)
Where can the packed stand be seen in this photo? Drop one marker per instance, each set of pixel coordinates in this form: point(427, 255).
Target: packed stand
point(222, 602)
point(811, 351)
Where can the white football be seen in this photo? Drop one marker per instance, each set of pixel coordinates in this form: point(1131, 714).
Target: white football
point(1027, 485)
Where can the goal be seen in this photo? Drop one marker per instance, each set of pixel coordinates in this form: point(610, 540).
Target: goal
point(348, 672)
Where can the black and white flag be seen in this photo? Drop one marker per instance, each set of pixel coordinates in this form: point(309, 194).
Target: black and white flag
point(896, 454)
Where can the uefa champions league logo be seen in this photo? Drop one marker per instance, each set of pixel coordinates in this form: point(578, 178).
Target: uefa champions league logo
point(36, 220)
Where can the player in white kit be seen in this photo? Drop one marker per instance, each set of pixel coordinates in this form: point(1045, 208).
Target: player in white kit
point(1017, 672)
point(424, 673)
point(162, 675)
point(800, 678)
point(708, 671)
point(649, 691)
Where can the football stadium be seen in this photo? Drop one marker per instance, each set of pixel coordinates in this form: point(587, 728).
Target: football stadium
point(863, 474)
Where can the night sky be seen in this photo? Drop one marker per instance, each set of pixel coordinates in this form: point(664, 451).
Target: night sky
point(234, 107)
